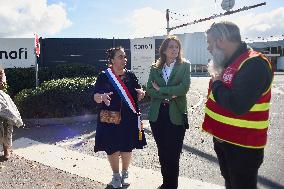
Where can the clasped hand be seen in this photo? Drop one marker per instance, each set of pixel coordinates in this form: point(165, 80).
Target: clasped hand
point(140, 94)
point(155, 85)
point(157, 88)
point(216, 77)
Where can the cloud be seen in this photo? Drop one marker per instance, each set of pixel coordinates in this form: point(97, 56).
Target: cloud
point(263, 24)
point(23, 18)
point(147, 22)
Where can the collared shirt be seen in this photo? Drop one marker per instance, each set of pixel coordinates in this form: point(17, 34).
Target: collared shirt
point(167, 70)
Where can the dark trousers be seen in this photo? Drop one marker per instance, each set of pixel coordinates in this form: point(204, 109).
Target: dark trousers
point(169, 140)
point(239, 166)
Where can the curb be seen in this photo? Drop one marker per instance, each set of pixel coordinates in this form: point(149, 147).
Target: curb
point(68, 120)
point(94, 168)
point(60, 121)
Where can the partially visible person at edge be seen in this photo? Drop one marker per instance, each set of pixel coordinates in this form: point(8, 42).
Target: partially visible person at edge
point(117, 91)
point(168, 83)
point(237, 108)
point(9, 117)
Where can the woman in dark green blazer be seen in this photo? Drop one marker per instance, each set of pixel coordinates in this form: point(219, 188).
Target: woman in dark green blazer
point(168, 83)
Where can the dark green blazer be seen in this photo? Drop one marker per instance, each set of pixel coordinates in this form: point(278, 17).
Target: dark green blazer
point(178, 85)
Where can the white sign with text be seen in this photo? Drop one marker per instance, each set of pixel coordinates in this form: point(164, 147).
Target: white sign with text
point(142, 57)
point(17, 52)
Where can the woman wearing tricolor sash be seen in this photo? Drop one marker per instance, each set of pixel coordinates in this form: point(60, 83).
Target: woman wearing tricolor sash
point(119, 128)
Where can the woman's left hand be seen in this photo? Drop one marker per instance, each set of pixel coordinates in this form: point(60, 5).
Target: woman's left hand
point(155, 85)
point(140, 94)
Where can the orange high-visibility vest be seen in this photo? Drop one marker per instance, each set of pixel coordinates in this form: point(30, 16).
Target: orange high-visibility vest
point(248, 130)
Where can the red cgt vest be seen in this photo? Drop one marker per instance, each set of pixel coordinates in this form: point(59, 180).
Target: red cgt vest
point(248, 130)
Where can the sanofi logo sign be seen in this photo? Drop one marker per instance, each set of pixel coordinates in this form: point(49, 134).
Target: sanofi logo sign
point(143, 46)
point(22, 53)
point(17, 52)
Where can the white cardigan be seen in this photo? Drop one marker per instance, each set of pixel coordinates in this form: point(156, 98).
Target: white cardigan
point(9, 111)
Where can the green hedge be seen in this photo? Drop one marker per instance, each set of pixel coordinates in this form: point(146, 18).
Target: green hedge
point(19, 79)
point(24, 78)
point(58, 98)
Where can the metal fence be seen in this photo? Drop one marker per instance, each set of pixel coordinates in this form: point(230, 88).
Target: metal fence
point(55, 51)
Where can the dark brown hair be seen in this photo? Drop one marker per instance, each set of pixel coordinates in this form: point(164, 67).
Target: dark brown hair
point(111, 53)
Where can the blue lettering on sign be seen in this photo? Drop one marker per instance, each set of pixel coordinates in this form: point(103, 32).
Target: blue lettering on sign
point(140, 47)
point(21, 53)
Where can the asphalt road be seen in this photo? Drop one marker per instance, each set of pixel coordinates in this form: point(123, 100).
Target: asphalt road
point(198, 160)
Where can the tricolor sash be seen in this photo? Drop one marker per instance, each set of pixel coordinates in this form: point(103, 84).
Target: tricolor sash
point(124, 95)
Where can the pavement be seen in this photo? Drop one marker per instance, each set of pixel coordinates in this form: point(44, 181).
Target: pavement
point(92, 167)
point(58, 153)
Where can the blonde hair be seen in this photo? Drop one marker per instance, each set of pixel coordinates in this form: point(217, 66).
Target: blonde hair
point(162, 60)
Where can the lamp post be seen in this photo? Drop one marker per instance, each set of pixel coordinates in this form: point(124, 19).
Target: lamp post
point(168, 21)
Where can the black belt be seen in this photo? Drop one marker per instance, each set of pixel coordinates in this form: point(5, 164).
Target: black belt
point(166, 102)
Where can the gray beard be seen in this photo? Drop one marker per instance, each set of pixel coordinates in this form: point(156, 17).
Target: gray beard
point(216, 65)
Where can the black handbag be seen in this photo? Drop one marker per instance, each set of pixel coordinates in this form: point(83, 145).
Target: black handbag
point(185, 120)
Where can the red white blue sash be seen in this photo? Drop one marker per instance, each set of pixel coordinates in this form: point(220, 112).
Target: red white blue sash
point(123, 93)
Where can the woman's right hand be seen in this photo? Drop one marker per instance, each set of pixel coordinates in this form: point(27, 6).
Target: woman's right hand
point(105, 97)
point(140, 94)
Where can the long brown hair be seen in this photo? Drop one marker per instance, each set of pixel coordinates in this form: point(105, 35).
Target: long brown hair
point(162, 60)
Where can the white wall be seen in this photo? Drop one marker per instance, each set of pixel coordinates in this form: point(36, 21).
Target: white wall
point(280, 63)
point(195, 47)
point(17, 52)
point(142, 57)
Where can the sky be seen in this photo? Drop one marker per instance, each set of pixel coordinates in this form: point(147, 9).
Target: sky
point(125, 19)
